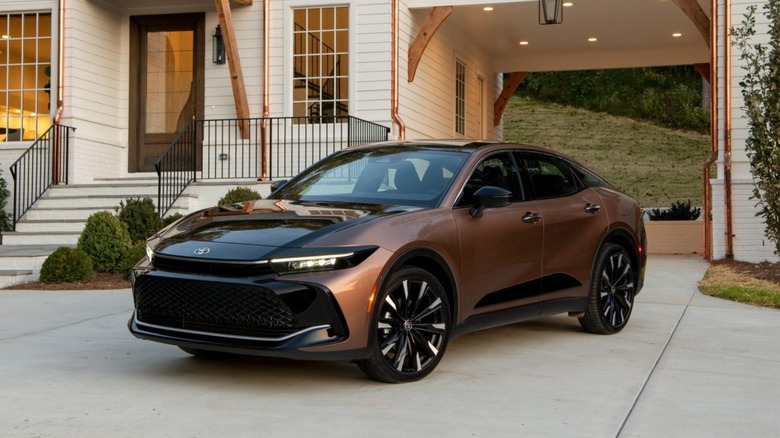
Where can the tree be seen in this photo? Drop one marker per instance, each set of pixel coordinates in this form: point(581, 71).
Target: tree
point(761, 92)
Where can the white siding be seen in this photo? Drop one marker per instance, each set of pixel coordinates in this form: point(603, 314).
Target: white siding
point(749, 243)
point(427, 105)
point(96, 90)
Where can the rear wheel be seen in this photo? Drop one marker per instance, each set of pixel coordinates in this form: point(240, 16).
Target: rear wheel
point(612, 291)
point(411, 326)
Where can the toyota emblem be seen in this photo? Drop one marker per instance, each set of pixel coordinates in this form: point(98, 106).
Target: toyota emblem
point(202, 251)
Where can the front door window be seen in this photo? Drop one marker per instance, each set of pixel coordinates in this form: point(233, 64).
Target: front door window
point(169, 74)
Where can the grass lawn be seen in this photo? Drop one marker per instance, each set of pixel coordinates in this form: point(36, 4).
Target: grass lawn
point(751, 284)
point(655, 165)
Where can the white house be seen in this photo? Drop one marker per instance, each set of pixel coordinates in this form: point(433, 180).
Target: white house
point(291, 80)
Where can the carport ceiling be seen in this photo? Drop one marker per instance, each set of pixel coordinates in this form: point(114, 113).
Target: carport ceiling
point(629, 33)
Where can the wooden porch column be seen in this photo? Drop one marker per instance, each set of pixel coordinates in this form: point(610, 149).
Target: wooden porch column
point(515, 79)
point(435, 19)
point(234, 64)
point(704, 71)
point(696, 14)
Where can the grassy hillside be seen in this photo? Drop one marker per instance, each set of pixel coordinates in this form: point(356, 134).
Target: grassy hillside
point(655, 165)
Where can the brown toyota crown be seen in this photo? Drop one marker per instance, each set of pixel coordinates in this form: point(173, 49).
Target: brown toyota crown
point(382, 254)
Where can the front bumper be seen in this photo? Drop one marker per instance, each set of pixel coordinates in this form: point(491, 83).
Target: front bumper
point(257, 316)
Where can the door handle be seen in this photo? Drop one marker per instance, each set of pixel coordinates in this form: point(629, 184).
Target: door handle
point(531, 218)
point(592, 208)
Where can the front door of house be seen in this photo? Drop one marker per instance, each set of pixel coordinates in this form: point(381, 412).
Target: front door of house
point(166, 84)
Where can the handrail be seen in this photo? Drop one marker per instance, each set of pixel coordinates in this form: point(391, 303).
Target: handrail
point(176, 167)
point(215, 149)
point(44, 164)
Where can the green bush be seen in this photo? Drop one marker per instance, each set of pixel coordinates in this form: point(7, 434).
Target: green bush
point(667, 96)
point(133, 255)
point(140, 216)
point(167, 220)
point(5, 218)
point(239, 194)
point(67, 265)
point(106, 240)
point(679, 211)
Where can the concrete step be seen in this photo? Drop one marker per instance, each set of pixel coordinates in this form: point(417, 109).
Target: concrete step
point(22, 263)
point(63, 225)
point(98, 202)
point(54, 214)
point(14, 276)
point(138, 189)
point(60, 238)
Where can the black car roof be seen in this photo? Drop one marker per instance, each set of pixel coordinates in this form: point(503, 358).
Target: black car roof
point(461, 145)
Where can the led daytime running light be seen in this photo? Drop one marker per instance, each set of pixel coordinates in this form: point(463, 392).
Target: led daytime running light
point(301, 259)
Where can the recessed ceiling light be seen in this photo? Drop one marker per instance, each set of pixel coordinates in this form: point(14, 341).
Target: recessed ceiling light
point(593, 39)
point(677, 34)
point(5, 37)
point(523, 43)
point(568, 4)
point(487, 8)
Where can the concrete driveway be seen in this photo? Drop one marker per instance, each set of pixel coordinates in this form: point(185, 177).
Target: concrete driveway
point(687, 365)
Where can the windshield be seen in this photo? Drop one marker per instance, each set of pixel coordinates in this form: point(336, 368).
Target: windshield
point(401, 175)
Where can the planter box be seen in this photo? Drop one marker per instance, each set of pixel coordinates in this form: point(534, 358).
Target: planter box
point(675, 237)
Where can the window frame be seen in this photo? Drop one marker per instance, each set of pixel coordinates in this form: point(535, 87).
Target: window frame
point(38, 118)
point(520, 158)
point(460, 96)
point(290, 59)
point(520, 195)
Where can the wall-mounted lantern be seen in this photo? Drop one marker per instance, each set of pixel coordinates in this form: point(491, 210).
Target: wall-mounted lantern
point(218, 47)
point(550, 11)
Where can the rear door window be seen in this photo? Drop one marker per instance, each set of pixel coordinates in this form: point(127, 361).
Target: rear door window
point(550, 176)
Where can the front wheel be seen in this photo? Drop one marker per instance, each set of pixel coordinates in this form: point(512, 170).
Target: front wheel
point(411, 326)
point(612, 291)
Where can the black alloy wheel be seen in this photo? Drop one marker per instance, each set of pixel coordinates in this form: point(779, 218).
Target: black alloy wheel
point(411, 327)
point(612, 292)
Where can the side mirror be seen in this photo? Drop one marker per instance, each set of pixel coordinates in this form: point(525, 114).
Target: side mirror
point(276, 185)
point(490, 197)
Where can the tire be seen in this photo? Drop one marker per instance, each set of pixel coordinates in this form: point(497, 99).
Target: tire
point(410, 327)
point(612, 292)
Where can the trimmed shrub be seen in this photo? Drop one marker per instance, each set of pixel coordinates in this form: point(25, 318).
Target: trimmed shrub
point(140, 216)
point(67, 265)
point(106, 240)
point(167, 220)
point(239, 194)
point(679, 211)
point(133, 255)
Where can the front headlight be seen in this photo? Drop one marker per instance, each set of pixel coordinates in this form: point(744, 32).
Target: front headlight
point(149, 253)
point(319, 262)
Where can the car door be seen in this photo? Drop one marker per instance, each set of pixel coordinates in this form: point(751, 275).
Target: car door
point(574, 223)
point(502, 249)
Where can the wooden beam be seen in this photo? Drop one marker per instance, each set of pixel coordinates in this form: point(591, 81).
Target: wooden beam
point(243, 2)
point(696, 14)
point(234, 64)
point(515, 79)
point(432, 22)
point(704, 71)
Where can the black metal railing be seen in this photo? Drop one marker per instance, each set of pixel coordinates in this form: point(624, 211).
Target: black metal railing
point(43, 165)
point(232, 148)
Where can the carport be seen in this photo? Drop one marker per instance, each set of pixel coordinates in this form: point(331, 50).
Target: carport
point(593, 34)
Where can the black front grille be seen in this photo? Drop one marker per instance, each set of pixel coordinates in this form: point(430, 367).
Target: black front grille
point(223, 307)
point(205, 267)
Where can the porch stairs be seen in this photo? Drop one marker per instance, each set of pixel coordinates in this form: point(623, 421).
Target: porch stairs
point(58, 218)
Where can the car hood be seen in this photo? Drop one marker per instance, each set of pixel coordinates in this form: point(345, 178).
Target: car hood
point(260, 229)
